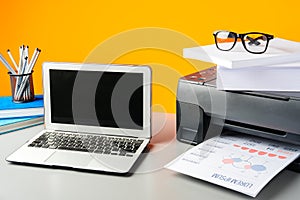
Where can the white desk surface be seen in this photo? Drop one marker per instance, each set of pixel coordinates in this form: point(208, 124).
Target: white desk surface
point(149, 180)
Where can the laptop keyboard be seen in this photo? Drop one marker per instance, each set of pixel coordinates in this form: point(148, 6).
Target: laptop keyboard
point(88, 143)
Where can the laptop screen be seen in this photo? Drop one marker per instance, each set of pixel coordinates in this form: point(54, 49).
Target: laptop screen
point(95, 98)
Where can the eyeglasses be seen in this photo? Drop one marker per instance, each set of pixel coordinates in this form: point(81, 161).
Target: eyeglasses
point(253, 42)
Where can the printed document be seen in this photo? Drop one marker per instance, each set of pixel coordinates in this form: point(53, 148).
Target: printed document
point(241, 163)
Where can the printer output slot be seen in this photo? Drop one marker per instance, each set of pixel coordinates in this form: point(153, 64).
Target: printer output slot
point(264, 95)
point(252, 129)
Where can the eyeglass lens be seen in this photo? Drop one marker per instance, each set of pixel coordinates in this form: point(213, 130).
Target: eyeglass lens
point(255, 42)
point(225, 40)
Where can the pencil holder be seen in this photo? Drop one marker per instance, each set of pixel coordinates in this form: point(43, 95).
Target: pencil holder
point(22, 89)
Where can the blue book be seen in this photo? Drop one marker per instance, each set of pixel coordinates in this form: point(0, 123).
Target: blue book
point(9, 109)
point(14, 124)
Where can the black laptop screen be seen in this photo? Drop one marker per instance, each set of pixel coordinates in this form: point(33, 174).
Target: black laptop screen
point(107, 99)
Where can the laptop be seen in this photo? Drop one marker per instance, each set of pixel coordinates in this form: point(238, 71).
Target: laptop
point(97, 117)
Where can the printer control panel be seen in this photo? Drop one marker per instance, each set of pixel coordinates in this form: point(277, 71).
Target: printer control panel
point(202, 77)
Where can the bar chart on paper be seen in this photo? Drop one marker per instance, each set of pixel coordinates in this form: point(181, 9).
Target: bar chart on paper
point(244, 164)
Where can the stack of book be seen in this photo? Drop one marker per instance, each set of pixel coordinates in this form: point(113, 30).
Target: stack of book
point(277, 69)
point(15, 116)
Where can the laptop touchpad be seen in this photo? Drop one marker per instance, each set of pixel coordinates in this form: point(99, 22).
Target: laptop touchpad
point(68, 159)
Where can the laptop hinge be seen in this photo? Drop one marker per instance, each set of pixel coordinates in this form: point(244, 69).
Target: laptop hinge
point(91, 133)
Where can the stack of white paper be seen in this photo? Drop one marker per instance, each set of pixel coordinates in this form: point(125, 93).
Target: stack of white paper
point(244, 164)
point(274, 70)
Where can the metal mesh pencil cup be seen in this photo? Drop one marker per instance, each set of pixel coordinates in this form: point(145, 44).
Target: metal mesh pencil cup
point(22, 89)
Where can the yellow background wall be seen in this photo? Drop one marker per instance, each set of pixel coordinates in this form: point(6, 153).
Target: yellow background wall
point(96, 31)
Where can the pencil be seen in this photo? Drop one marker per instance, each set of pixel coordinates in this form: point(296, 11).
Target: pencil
point(33, 60)
point(27, 54)
point(19, 89)
point(21, 58)
point(5, 63)
point(12, 59)
point(18, 81)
